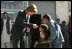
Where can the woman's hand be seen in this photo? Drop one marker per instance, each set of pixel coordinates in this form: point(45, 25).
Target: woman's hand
point(35, 26)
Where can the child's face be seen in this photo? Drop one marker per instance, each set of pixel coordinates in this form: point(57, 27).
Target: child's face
point(40, 29)
point(42, 35)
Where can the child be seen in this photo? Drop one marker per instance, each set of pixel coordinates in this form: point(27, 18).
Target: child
point(44, 34)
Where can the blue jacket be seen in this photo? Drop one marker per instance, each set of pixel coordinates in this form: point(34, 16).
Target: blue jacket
point(56, 37)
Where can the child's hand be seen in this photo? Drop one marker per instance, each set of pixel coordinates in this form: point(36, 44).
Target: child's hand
point(35, 44)
point(35, 26)
point(48, 41)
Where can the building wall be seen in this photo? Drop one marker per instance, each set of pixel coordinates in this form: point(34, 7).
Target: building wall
point(45, 7)
point(58, 9)
point(12, 8)
point(62, 10)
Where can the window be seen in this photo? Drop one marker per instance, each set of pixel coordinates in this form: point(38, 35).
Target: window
point(13, 4)
point(13, 7)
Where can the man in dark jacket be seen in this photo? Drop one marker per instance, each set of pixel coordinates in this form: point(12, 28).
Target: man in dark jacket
point(5, 31)
point(22, 22)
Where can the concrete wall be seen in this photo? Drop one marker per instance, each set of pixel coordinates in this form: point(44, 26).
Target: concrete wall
point(45, 7)
point(62, 10)
point(58, 9)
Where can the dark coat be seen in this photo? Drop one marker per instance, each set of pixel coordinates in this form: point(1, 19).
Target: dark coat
point(42, 44)
point(19, 25)
point(7, 25)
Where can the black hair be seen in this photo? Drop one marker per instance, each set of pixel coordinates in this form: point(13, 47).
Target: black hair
point(45, 30)
point(63, 22)
point(44, 27)
point(5, 13)
point(46, 16)
point(57, 19)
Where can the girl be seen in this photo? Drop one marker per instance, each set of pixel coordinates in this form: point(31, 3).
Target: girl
point(44, 34)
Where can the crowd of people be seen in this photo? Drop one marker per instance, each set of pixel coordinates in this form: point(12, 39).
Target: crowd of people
point(66, 29)
point(52, 34)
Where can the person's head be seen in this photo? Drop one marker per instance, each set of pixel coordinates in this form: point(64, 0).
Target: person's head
point(32, 9)
point(58, 20)
point(5, 15)
point(46, 19)
point(43, 31)
point(63, 22)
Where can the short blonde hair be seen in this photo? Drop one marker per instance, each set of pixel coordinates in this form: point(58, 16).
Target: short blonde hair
point(32, 8)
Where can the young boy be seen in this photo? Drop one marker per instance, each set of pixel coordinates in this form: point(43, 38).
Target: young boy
point(44, 34)
point(5, 31)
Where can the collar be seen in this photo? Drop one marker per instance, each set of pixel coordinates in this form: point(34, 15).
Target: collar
point(4, 19)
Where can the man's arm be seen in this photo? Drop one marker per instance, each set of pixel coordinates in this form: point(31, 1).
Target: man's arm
point(53, 32)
